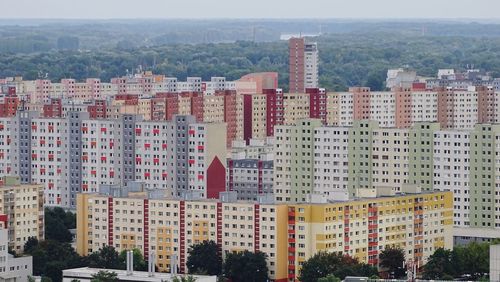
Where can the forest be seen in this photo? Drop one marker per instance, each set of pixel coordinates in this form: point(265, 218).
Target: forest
point(348, 57)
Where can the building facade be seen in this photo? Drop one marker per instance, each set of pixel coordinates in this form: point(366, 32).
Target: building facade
point(288, 234)
point(21, 212)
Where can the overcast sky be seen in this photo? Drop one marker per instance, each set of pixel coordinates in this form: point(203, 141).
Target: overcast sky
point(107, 9)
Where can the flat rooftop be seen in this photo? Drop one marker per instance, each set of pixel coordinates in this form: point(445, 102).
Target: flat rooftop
point(85, 273)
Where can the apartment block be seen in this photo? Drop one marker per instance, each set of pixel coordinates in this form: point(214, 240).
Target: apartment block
point(294, 161)
point(180, 156)
point(331, 162)
point(303, 65)
point(73, 154)
point(13, 268)
point(288, 234)
point(21, 211)
point(366, 156)
point(250, 178)
point(419, 224)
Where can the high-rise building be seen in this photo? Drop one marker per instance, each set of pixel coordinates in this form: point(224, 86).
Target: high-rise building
point(303, 65)
point(288, 234)
point(311, 64)
point(21, 211)
point(296, 64)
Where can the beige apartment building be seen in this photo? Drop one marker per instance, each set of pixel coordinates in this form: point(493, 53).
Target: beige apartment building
point(288, 234)
point(21, 210)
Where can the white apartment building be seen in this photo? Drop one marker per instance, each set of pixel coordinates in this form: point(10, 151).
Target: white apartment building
point(5, 146)
point(311, 65)
point(390, 157)
point(13, 269)
point(465, 105)
point(331, 162)
point(346, 109)
point(155, 155)
point(49, 157)
point(424, 106)
point(383, 108)
point(451, 170)
point(101, 154)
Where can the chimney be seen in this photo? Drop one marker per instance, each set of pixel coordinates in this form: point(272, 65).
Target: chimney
point(151, 264)
point(130, 262)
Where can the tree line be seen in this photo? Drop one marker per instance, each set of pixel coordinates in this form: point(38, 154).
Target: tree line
point(352, 59)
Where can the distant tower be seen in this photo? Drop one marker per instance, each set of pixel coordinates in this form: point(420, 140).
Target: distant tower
point(303, 65)
point(296, 64)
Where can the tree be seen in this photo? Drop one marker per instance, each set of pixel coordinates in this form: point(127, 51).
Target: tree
point(68, 43)
point(51, 257)
point(471, 259)
point(204, 258)
point(57, 225)
point(323, 264)
point(392, 259)
point(30, 244)
point(106, 257)
point(438, 265)
point(187, 278)
point(329, 278)
point(104, 276)
point(246, 267)
point(139, 263)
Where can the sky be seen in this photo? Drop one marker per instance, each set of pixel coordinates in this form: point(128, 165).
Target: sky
point(168, 9)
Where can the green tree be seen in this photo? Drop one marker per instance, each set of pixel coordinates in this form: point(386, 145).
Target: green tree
point(323, 264)
point(246, 267)
point(51, 257)
point(329, 278)
point(30, 244)
point(104, 276)
point(471, 259)
point(139, 263)
point(187, 278)
point(438, 265)
point(392, 260)
point(204, 258)
point(106, 257)
point(57, 225)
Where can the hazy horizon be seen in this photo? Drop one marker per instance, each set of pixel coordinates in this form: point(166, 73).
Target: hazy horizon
point(258, 9)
